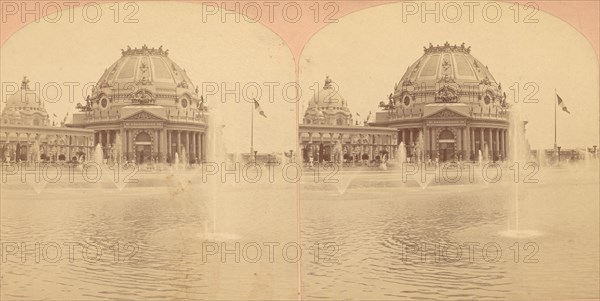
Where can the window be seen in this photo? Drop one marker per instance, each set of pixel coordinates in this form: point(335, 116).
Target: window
point(407, 100)
point(487, 99)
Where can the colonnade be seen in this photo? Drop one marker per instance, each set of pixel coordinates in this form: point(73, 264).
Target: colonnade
point(18, 146)
point(468, 141)
point(163, 143)
point(355, 147)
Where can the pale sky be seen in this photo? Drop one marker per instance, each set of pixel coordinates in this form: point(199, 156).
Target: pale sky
point(210, 52)
point(367, 52)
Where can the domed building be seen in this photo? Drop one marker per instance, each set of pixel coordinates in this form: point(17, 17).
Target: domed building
point(328, 107)
point(145, 107)
point(452, 102)
point(329, 135)
point(25, 122)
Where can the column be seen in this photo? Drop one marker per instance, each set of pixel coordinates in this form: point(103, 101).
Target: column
point(123, 143)
point(465, 152)
point(431, 143)
point(425, 144)
point(459, 142)
point(501, 144)
point(203, 144)
point(482, 139)
point(473, 150)
point(497, 141)
point(69, 143)
point(156, 144)
point(490, 146)
point(199, 145)
point(190, 146)
point(163, 145)
point(178, 145)
point(129, 144)
point(169, 145)
point(506, 144)
point(401, 132)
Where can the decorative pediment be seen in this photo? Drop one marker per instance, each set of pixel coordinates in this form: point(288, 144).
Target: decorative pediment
point(143, 116)
point(445, 113)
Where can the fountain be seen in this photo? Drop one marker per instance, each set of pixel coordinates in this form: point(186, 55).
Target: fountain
point(518, 153)
point(480, 158)
point(401, 153)
point(176, 161)
point(35, 152)
point(98, 155)
point(486, 153)
point(118, 153)
point(184, 159)
point(419, 146)
point(215, 153)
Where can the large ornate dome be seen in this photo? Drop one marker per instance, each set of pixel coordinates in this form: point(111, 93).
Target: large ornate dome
point(328, 106)
point(448, 74)
point(145, 76)
point(25, 107)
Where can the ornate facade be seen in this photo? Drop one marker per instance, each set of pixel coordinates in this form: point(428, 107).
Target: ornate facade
point(328, 134)
point(146, 108)
point(453, 102)
point(26, 134)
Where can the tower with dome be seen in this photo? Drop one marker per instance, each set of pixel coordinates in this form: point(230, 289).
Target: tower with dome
point(452, 99)
point(329, 133)
point(24, 122)
point(147, 103)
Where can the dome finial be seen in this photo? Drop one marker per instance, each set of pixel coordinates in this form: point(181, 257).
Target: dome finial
point(25, 83)
point(328, 82)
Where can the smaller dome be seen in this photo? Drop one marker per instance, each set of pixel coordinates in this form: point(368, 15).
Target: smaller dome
point(328, 97)
point(25, 99)
point(328, 107)
point(25, 107)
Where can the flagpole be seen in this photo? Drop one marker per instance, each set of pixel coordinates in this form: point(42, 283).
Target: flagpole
point(555, 105)
point(252, 130)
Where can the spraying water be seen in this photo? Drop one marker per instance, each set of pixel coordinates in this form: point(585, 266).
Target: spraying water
point(118, 149)
point(518, 154)
point(35, 152)
point(401, 155)
point(184, 159)
point(98, 155)
point(419, 146)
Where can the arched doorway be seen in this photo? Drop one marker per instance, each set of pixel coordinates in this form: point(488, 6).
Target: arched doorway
point(143, 147)
point(446, 145)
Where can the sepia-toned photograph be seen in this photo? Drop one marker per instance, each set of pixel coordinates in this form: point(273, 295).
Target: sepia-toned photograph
point(299, 150)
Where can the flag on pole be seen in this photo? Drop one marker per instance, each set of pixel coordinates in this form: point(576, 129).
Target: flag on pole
point(259, 109)
point(561, 104)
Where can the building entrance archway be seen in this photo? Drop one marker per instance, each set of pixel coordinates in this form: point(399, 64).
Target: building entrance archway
point(143, 148)
point(446, 146)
